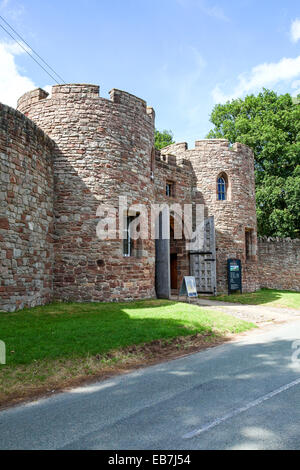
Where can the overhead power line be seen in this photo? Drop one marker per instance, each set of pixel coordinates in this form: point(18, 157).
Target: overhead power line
point(27, 52)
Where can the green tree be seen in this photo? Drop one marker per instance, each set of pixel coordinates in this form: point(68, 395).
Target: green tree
point(163, 139)
point(270, 125)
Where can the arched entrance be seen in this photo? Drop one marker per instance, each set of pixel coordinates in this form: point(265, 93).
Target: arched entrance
point(172, 259)
point(179, 257)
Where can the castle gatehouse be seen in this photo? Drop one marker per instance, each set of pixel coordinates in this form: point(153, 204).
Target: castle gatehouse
point(66, 155)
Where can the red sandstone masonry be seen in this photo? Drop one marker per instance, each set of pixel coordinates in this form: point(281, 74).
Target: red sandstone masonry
point(104, 151)
point(26, 214)
point(101, 149)
point(279, 263)
point(208, 159)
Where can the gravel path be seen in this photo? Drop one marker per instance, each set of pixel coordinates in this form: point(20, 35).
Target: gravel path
point(254, 313)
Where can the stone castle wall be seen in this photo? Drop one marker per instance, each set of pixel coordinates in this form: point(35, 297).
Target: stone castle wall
point(103, 151)
point(26, 213)
point(74, 152)
point(279, 263)
point(213, 158)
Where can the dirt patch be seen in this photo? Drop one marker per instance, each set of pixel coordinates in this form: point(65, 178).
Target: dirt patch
point(23, 383)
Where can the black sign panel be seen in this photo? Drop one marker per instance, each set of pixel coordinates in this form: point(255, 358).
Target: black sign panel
point(234, 272)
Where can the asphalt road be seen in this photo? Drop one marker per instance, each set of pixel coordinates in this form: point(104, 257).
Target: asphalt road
point(241, 395)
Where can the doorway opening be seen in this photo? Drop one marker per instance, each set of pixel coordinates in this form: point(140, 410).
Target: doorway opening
point(171, 257)
point(174, 271)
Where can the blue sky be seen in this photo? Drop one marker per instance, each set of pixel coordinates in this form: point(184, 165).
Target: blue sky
point(181, 56)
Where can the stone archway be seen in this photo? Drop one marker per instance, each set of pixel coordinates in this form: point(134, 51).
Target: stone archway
point(172, 261)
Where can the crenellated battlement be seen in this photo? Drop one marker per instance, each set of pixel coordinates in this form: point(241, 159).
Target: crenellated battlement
point(31, 97)
point(206, 145)
point(173, 162)
point(76, 91)
point(150, 111)
point(127, 99)
point(79, 92)
point(222, 144)
point(180, 146)
point(287, 240)
point(238, 147)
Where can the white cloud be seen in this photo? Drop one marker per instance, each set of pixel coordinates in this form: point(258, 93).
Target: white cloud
point(295, 30)
point(263, 75)
point(12, 82)
point(296, 86)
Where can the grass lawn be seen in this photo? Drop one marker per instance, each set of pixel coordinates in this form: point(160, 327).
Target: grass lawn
point(55, 343)
point(268, 297)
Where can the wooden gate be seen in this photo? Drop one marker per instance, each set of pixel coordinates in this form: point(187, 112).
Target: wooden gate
point(203, 261)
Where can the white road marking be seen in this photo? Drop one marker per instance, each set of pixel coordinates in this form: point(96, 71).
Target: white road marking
point(238, 411)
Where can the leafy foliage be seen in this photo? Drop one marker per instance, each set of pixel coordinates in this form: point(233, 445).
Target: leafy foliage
point(163, 139)
point(270, 125)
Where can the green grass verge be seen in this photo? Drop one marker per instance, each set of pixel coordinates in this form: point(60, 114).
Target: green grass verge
point(62, 344)
point(64, 330)
point(268, 297)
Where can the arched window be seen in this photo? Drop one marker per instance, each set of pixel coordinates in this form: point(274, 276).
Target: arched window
point(222, 190)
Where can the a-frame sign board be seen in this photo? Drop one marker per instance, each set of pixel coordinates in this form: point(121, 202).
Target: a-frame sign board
point(188, 287)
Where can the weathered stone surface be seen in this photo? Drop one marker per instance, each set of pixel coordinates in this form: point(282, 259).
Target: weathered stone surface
point(279, 263)
point(103, 152)
point(208, 160)
point(69, 153)
point(26, 186)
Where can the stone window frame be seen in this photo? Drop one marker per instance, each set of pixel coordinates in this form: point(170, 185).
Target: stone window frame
point(171, 191)
point(131, 248)
point(222, 175)
point(127, 241)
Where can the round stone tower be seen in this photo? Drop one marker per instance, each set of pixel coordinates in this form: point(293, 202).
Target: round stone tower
point(103, 151)
point(224, 176)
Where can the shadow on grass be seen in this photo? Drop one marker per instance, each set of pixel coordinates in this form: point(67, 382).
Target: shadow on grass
point(68, 330)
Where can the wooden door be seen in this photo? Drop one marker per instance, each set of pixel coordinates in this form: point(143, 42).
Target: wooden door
point(203, 262)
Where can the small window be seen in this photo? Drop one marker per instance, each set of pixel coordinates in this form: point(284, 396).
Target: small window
point(127, 241)
point(221, 189)
point(169, 189)
point(152, 165)
point(248, 243)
